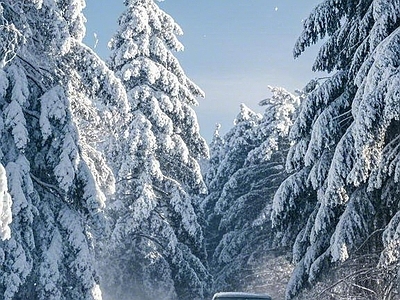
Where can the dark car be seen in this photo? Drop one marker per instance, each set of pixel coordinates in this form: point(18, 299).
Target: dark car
point(240, 296)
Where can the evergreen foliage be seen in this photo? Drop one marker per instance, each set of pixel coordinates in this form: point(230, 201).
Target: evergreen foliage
point(56, 191)
point(343, 161)
point(246, 167)
point(158, 245)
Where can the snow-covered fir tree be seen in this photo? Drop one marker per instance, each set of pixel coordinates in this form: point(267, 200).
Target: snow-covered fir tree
point(344, 158)
point(245, 171)
point(229, 154)
point(158, 248)
point(55, 188)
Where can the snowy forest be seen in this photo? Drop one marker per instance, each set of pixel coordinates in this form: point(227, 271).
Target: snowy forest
point(109, 191)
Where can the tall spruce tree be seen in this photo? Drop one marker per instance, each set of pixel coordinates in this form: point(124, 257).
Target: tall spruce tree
point(56, 191)
point(247, 168)
point(230, 154)
point(345, 153)
point(158, 239)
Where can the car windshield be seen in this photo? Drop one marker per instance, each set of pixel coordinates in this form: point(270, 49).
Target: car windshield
point(238, 298)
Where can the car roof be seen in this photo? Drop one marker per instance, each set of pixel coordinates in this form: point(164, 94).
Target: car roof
point(241, 295)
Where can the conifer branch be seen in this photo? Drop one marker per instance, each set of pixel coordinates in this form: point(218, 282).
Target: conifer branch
point(150, 238)
point(48, 186)
point(369, 237)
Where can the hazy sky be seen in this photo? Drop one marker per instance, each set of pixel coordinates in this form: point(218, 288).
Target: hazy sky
point(233, 49)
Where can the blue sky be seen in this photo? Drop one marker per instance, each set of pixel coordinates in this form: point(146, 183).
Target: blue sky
point(233, 49)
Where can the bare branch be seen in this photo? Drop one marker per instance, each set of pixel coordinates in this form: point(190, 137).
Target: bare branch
point(48, 186)
point(369, 237)
point(364, 288)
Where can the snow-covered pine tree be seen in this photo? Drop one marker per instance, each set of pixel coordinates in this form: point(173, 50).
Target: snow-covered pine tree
point(216, 154)
point(242, 184)
point(214, 188)
point(345, 140)
point(230, 154)
point(56, 195)
point(154, 211)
